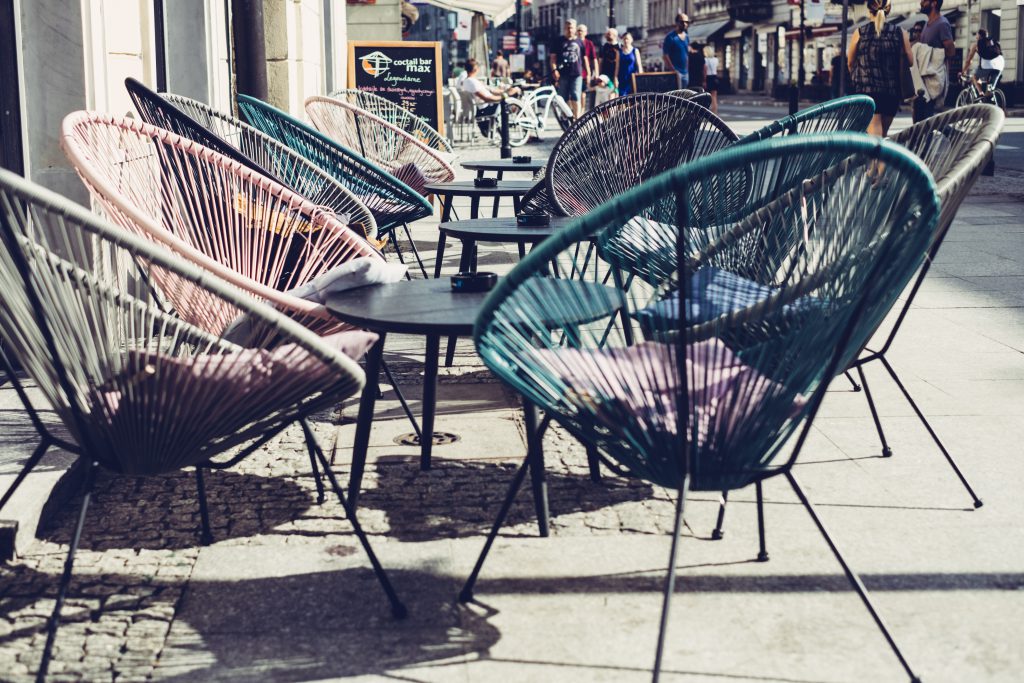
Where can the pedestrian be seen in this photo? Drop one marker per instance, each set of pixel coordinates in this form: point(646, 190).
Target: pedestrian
point(874, 61)
point(676, 50)
point(696, 68)
point(500, 67)
point(629, 64)
point(931, 53)
point(567, 66)
point(609, 58)
point(711, 76)
point(589, 63)
point(486, 98)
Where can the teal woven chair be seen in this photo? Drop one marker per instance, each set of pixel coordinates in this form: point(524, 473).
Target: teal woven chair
point(392, 202)
point(748, 353)
point(851, 113)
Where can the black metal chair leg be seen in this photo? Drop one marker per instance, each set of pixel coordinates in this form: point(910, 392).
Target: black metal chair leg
point(466, 594)
point(415, 251)
point(65, 579)
point(535, 454)
point(205, 536)
point(594, 464)
point(308, 434)
point(854, 580)
point(886, 451)
point(931, 432)
point(853, 382)
point(762, 552)
point(670, 580)
point(29, 465)
point(397, 608)
point(718, 532)
point(401, 399)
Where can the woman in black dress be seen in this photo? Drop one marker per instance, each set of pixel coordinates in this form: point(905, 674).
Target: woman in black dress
point(874, 60)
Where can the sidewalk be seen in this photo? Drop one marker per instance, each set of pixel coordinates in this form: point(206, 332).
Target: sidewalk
point(743, 99)
point(285, 593)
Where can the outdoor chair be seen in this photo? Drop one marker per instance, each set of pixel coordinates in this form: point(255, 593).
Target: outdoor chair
point(385, 144)
point(955, 146)
point(250, 147)
point(738, 358)
point(697, 96)
point(145, 392)
point(391, 201)
point(396, 115)
point(850, 113)
point(626, 141)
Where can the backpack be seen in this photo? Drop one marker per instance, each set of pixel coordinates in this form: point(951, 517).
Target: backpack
point(989, 49)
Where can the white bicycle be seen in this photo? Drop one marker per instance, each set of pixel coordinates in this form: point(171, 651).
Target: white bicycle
point(528, 115)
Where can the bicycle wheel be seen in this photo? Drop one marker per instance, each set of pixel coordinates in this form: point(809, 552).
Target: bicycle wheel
point(518, 133)
point(965, 97)
point(1000, 99)
point(562, 113)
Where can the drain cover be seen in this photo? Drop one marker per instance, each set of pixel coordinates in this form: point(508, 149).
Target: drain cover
point(440, 439)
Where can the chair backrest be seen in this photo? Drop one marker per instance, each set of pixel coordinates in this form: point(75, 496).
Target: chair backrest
point(955, 146)
point(773, 302)
point(851, 113)
point(396, 115)
point(250, 147)
point(385, 144)
point(143, 390)
point(627, 141)
point(224, 217)
point(391, 201)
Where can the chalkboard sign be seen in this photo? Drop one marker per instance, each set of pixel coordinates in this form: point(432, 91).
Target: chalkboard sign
point(656, 81)
point(405, 72)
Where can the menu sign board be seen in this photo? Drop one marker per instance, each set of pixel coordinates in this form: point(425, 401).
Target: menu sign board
point(405, 72)
point(656, 81)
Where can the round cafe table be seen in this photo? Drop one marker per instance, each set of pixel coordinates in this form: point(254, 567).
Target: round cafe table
point(465, 188)
point(500, 230)
point(502, 166)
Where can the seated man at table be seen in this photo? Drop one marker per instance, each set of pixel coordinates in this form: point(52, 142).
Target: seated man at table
point(486, 98)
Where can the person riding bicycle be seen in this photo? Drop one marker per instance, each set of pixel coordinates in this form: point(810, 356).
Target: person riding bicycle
point(991, 62)
point(488, 98)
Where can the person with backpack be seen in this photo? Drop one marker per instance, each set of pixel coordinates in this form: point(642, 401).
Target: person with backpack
point(991, 62)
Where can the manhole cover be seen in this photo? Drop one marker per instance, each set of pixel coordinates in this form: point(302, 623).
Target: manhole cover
point(440, 439)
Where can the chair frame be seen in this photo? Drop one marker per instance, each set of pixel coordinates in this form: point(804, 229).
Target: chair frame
point(88, 452)
point(395, 114)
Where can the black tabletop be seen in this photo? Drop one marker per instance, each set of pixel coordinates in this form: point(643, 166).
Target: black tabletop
point(465, 188)
point(430, 306)
point(534, 165)
point(409, 307)
point(501, 229)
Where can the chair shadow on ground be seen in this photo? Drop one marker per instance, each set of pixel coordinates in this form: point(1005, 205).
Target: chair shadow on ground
point(458, 498)
point(162, 513)
point(313, 626)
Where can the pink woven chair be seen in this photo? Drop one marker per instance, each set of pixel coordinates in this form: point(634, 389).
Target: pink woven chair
point(256, 234)
point(383, 143)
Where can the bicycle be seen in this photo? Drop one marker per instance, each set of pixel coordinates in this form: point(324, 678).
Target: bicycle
point(970, 95)
point(529, 114)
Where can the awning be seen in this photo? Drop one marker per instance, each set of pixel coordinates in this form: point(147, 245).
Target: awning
point(816, 32)
point(737, 30)
point(837, 37)
point(495, 10)
point(703, 32)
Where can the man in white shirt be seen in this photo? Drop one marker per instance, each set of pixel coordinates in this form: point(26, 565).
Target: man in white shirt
point(487, 98)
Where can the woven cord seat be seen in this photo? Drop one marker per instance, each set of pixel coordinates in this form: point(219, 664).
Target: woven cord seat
point(851, 113)
point(708, 402)
point(414, 162)
point(247, 145)
point(142, 390)
point(397, 116)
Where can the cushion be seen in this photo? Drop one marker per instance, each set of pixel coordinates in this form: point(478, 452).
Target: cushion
point(714, 292)
point(357, 272)
point(637, 385)
point(411, 175)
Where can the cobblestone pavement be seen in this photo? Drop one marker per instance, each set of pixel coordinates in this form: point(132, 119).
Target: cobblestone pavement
point(285, 592)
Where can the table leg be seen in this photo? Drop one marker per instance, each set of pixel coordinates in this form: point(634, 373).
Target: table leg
point(467, 264)
point(442, 240)
point(474, 207)
point(365, 420)
point(446, 208)
point(497, 198)
point(429, 399)
point(522, 250)
point(535, 456)
point(517, 200)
